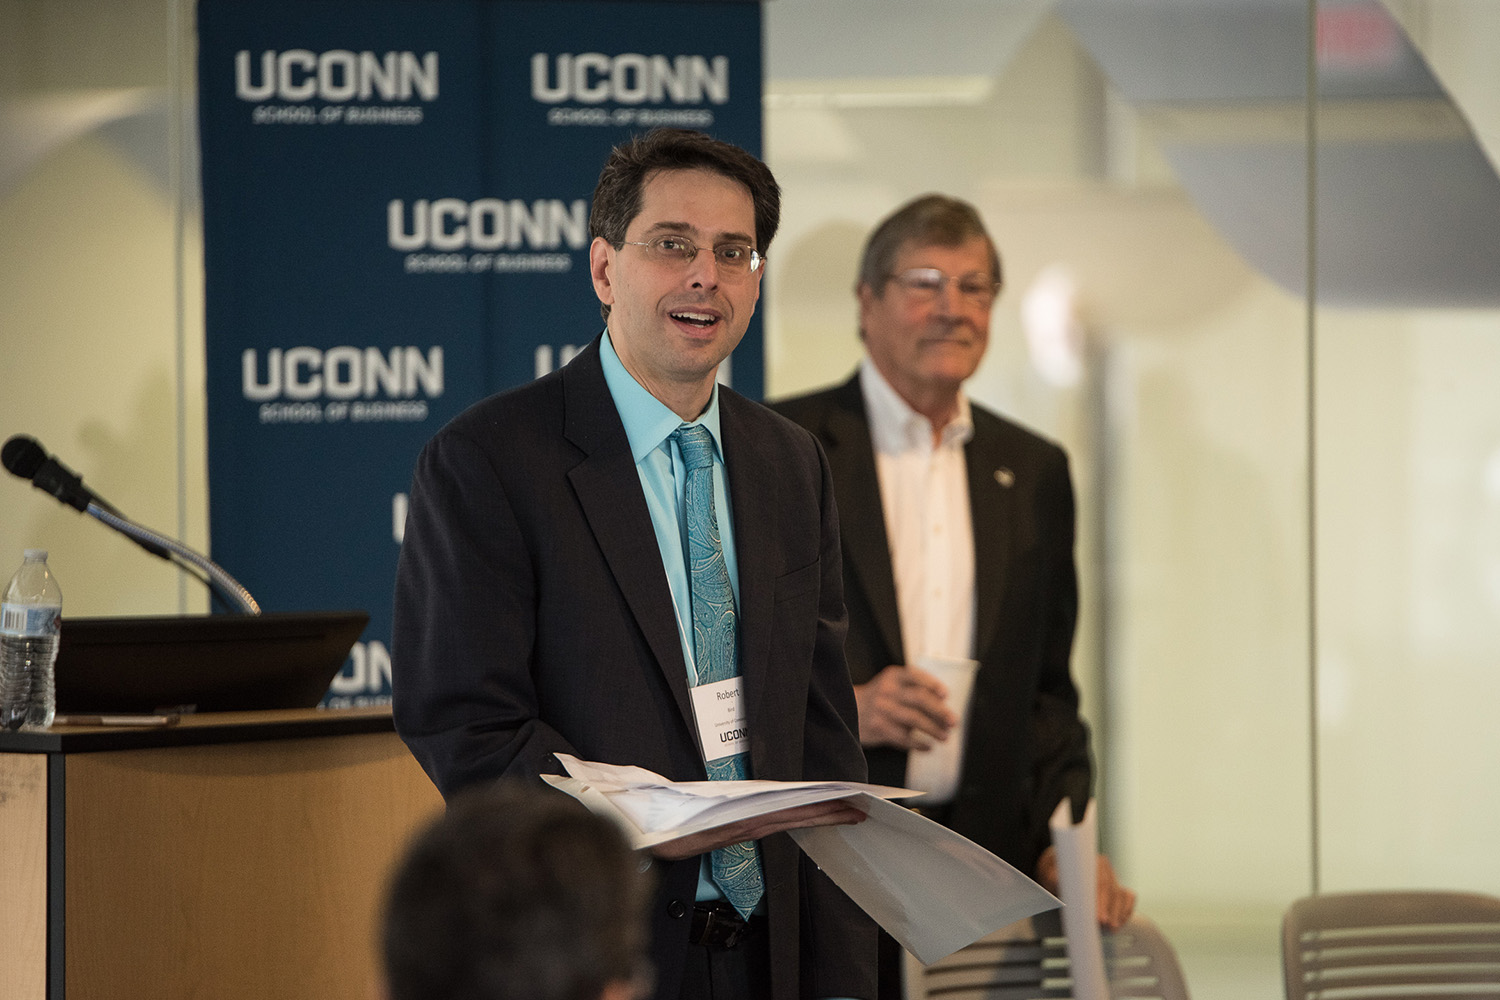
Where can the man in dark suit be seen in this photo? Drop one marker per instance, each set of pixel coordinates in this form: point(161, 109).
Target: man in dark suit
point(545, 603)
point(957, 530)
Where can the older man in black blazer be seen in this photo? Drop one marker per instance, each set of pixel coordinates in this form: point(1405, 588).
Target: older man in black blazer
point(541, 599)
point(958, 543)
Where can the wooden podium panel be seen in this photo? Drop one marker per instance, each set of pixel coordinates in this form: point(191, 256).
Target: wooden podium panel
point(23, 874)
point(238, 855)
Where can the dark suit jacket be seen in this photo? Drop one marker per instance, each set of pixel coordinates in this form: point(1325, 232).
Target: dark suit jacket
point(1027, 747)
point(533, 617)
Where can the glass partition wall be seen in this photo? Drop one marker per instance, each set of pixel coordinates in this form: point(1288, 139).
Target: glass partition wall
point(1109, 147)
point(1250, 285)
point(1407, 331)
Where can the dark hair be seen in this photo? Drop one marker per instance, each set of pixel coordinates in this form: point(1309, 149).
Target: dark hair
point(617, 196)
point(931, 220)
point(516, 893)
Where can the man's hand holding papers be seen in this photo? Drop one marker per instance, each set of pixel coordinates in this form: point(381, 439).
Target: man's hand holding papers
point(835, 812)
point(677, 819)
point(933, 890)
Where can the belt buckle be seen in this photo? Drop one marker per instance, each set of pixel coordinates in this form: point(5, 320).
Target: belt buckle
point(722, 926)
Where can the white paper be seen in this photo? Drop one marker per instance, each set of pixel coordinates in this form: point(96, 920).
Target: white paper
point(655, 810)
point(935, 770)
point(1077, 878)
point(931, 889)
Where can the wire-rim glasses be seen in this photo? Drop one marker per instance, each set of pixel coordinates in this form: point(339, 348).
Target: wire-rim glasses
point(927, 283)
point(731, 258)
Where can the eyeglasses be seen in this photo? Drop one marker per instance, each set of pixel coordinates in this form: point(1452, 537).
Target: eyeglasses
point(927, 283)
point(734, 259)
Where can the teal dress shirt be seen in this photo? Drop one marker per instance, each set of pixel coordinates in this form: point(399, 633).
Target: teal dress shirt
point(649, 424)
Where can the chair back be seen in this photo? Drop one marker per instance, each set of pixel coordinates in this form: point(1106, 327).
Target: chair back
point(1142, 964)
point(1359, 945)
point(1028, 960)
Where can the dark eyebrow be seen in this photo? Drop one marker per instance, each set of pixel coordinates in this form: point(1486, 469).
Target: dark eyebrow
point(692, 233)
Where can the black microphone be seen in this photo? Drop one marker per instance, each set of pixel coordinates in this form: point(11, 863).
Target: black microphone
point(26, 458)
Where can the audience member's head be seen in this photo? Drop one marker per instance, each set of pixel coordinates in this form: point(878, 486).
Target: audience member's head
point(516, 893)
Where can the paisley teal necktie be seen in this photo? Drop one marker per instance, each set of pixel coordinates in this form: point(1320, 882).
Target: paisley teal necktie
point(736, 868)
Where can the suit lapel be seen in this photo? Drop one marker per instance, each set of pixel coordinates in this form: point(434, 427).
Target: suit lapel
point(867, 550)
point(992, 509)
point(755, 500)
point(609, 491)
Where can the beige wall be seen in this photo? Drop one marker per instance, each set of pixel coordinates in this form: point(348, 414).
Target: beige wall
point(98, 290)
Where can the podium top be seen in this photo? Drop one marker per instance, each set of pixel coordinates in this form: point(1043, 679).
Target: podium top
point(199, 729)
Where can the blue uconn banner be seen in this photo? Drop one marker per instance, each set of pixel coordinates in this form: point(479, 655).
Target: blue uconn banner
point(396, 200)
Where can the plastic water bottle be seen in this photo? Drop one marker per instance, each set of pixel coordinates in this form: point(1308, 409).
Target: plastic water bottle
point(30, 618)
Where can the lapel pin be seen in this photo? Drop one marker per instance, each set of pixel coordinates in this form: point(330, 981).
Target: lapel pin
point(1005, 477)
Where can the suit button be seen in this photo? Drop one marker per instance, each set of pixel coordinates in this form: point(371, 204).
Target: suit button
point(676, 908)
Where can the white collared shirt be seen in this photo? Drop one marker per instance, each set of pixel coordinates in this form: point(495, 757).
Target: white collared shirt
point(924, 491)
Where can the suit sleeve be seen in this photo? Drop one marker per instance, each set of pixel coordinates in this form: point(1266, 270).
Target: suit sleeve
point(464, 626)
point(1062, 766)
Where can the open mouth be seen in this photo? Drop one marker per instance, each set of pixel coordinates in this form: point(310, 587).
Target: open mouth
point(697, 319)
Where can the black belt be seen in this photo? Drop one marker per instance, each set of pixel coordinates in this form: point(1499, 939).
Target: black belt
point(719, 925)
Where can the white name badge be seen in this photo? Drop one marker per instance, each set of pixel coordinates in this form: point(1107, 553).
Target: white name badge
point(720, 710)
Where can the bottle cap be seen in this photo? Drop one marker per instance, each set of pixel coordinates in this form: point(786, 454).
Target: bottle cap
point(35, 554)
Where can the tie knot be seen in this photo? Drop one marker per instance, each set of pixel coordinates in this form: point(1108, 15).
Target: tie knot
point(697, 446)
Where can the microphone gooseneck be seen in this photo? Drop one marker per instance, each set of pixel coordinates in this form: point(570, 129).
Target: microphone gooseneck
point(25, 457)
point(221, 582)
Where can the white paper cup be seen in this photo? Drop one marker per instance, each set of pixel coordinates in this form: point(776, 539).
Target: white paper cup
point(936, 771)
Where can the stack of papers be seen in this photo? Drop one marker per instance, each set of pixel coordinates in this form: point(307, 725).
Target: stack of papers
point(931, 889)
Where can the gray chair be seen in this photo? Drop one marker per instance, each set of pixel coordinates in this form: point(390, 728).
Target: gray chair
point(1408, 945)
point(1029, 961)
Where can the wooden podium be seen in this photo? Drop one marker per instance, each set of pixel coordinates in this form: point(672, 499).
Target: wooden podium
point(232, 855)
